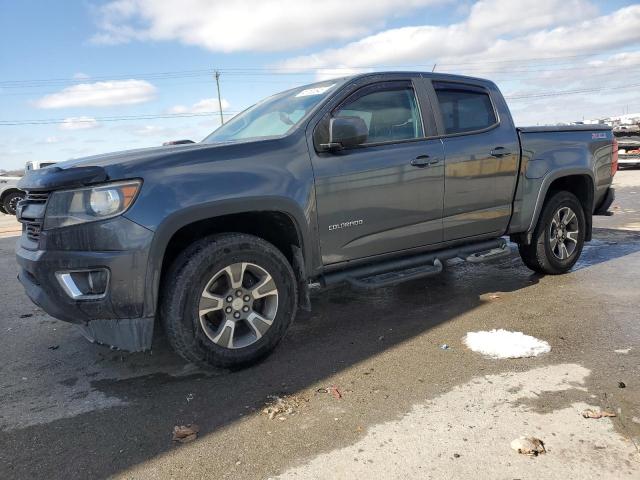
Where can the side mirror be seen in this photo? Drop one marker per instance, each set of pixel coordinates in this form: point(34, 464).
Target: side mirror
point(346, 132)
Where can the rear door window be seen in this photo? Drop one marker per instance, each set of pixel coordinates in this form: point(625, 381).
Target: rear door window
point(464, 109)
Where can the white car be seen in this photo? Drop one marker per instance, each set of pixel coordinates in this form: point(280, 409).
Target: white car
point(9, 194)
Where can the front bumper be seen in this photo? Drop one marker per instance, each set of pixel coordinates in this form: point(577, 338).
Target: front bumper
point(118, 318)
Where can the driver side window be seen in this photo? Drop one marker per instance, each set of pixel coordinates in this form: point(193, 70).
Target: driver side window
point(390, 112)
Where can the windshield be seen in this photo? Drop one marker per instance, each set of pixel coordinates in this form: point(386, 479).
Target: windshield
point(273, 116)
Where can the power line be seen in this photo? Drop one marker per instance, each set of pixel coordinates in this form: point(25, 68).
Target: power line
point(52, 121)
point(268, 70)
point(568, 92)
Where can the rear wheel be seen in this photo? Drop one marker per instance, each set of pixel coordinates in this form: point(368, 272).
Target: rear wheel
point(228, 300)
point(559, 236)
point(10, 202)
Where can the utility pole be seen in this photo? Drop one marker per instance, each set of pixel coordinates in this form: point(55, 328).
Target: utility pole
point(219, 99)
point(434, 67)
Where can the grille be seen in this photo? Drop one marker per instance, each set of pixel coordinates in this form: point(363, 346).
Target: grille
point(33, 230)
point(37, 197)
point(33, 226)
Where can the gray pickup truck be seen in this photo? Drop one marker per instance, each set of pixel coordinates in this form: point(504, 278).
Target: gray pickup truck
point(370, 180)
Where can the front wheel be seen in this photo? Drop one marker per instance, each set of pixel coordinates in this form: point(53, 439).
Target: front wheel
point(228, 300)
point(10, 202)
point(559, 236)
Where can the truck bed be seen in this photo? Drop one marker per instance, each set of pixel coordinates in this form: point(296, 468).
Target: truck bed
point(563, 128)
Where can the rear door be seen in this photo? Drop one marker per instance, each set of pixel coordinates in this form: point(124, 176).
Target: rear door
point(385, 195)
point(481, 158)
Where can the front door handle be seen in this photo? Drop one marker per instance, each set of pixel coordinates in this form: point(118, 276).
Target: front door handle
point(422, 161)
point(499, 152)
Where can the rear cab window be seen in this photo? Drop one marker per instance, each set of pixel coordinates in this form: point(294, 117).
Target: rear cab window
point(464, 108)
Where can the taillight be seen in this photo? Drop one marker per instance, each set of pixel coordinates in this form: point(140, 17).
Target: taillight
point(614, 157)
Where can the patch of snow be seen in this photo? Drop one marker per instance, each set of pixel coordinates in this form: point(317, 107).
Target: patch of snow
point(623, 351)
point(505, 344)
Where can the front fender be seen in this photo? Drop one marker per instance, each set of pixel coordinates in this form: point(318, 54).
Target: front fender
point(189, 215)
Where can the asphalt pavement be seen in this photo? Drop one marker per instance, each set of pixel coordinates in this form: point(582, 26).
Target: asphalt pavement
point(365, 387)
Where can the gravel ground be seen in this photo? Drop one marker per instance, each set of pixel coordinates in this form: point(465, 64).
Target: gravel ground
point(366, 388)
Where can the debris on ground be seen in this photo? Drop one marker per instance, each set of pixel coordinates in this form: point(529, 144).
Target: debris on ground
point(26, 315)
point(505, 344)
point(53, 347)
point(589, 413)
point(333, 390)
point(528, 446)
point(285, 405)
point(189, 397)
point(494, 296)
point(444, 346)
point(622, 351)
point(622, 385)
point(185, 433)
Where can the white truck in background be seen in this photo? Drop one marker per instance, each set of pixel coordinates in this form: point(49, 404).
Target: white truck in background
point(35, 165)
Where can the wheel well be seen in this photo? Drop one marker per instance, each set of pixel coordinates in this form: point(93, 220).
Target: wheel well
point(277, 228)
point(582, 187)
point(7, 192)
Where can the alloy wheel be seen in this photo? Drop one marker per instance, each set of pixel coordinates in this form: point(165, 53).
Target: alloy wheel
point(238, 305)
point(563, 233)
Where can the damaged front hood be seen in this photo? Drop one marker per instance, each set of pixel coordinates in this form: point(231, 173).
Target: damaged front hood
point(110, 166)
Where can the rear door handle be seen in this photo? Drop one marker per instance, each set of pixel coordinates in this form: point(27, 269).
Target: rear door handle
point(499, 152)
point(423, 161)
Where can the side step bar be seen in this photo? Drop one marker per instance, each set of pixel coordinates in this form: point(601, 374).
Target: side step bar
point(393, 278)
point(498, 252)
point(392, 272)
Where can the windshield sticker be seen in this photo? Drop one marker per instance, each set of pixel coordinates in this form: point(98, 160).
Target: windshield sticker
point(314, 91)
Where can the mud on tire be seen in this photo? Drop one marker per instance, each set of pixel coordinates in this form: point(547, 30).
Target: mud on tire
point(202, 276)
point(545, 254)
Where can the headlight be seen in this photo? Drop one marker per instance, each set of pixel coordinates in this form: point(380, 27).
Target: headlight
point(70, 207)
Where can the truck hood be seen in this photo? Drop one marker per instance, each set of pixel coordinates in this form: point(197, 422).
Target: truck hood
point(126, 164)
point(128, 157)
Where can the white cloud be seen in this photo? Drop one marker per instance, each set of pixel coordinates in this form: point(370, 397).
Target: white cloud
point(80, 76)
point(100, 94)
point(79, 123)
point(513, 43)
point(258, 25)
point(201, 106)
point(493, 30)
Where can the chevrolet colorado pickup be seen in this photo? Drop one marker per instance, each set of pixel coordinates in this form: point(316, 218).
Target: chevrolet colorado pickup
point(370, 180)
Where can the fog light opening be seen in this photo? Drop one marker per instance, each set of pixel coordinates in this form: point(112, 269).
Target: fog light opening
point(84, 284)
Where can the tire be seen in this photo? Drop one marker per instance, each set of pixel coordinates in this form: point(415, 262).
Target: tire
point(10, 202)
point(203, 277)
point(544, 255)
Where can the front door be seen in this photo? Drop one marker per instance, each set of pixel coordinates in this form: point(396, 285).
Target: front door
point(385, 195)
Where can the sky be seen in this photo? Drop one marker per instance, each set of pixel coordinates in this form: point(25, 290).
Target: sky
point(84, 77)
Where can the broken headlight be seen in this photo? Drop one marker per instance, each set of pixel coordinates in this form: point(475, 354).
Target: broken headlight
point(89, 204)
